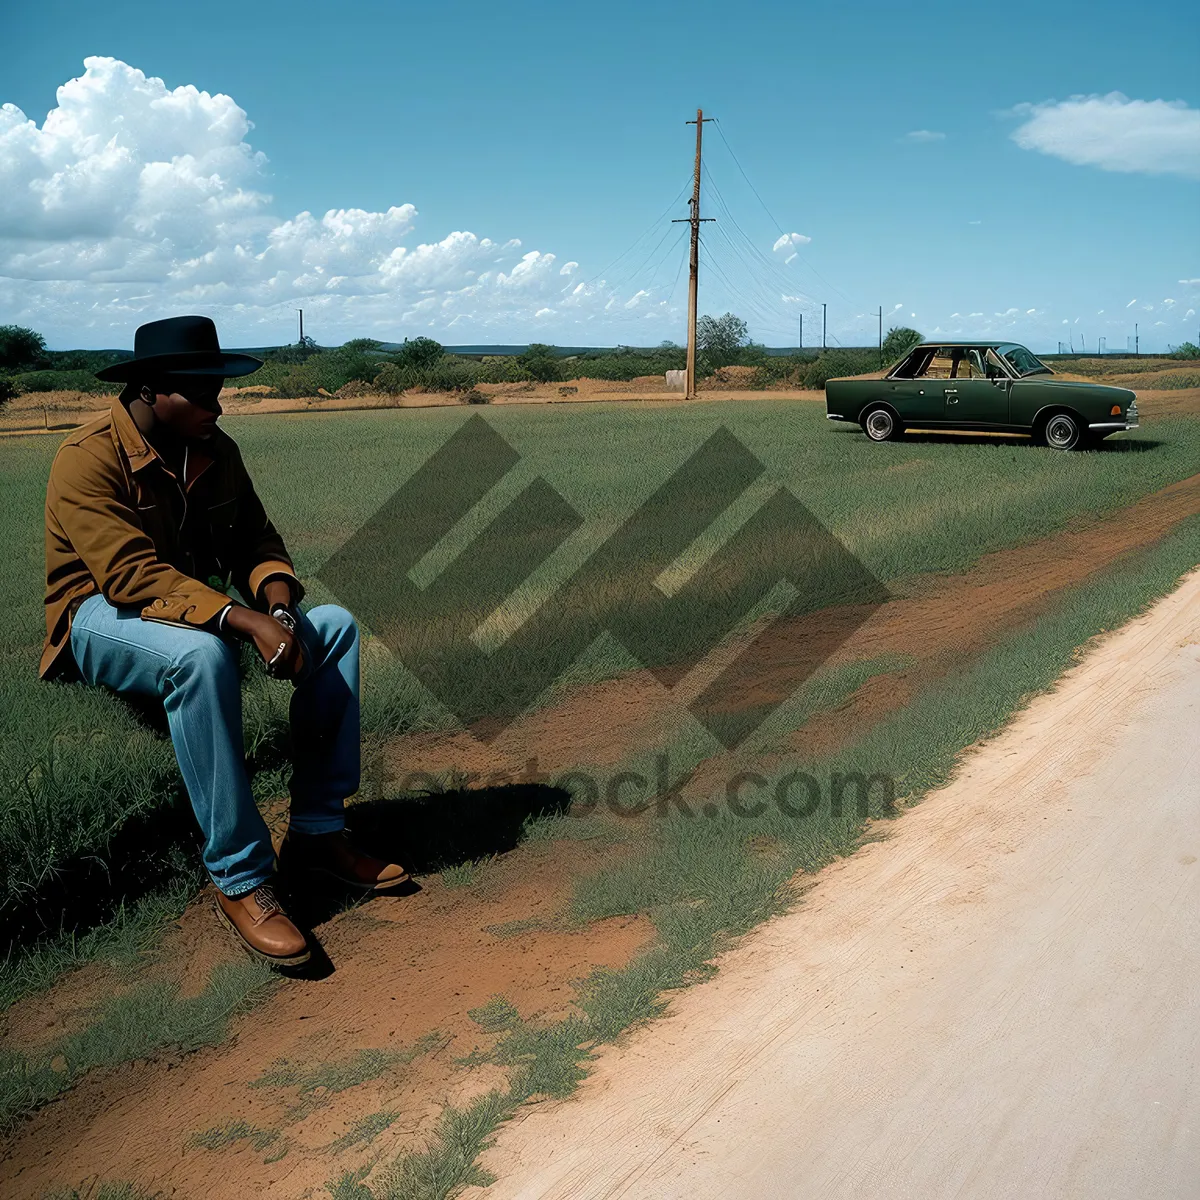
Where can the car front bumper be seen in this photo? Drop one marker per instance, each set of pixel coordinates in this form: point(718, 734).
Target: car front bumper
point(1130, 422)
point(835, 417)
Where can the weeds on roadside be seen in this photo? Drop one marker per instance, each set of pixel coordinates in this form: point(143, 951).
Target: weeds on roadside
point(151, 1018)
point(102, 1190)
point(462, 875)
point(221, 1137)
point(315, 1084)
point(365, 1130)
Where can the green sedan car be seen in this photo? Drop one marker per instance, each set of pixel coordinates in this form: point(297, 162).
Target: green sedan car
point(996, 387)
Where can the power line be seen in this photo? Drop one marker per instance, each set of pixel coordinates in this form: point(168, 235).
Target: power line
point(783, 232)
point(648, 230)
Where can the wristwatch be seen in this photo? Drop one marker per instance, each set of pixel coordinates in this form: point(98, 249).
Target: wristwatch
point(284, 615)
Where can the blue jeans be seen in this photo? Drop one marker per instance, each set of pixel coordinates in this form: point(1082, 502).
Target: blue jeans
point(195, 674)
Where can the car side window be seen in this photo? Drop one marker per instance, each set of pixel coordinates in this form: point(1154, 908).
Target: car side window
point(941, 365)
point(971, 366)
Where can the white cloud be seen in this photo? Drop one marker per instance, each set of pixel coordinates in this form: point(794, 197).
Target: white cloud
point(133, 200)
point(786, 241)
point(975, 314)
point(1190, 282)
point(1132, 302)
point(974, 222)
point(924, 135)
point(1114, 133)
point(1191, 312)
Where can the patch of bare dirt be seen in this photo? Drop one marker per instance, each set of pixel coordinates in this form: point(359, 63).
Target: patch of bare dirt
point(405, 968)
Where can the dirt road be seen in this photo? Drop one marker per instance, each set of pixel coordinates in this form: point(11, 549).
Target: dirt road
point(1002, 999)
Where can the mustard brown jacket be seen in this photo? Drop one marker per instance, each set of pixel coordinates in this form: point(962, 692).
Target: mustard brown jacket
point(120, 522)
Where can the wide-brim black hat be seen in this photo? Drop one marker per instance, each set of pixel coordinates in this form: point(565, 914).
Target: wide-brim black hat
point(178, 346)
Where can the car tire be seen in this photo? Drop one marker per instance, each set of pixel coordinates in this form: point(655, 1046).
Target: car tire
point(1063, 431)
point(881, 425)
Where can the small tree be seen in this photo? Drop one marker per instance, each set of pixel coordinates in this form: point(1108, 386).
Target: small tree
point(418, 354)
point(540, 362)
point(720, 339)
point(1187, 350)
point(362, 345)
point(21, 349)
point(899, 341)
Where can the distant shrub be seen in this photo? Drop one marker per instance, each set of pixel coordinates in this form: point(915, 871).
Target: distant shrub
point(419, 354)
point(496, 368)
point(391, 380)
point(475, 396)
point(329, 370)
point(83, 360)
point(721, 340)
point(293, 355)
point(832, 364)
point(63, 381)
point(1188, 350)
point(899, 341)
point(541, 363)
point(21, 348)
point(445, 374)
point(8, 390)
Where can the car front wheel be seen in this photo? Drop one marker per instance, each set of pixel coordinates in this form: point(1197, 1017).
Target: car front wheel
point(880, 425)
point(1063, 432)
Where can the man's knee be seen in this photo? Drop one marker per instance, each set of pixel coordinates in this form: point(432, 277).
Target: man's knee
point(206, 656)
point(335, 625)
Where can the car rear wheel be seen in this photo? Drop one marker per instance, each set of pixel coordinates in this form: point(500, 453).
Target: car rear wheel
point(880, 425)
point(1062, 431)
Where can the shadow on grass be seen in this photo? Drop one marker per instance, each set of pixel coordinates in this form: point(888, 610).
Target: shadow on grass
point(966, 437)
point(426, 832)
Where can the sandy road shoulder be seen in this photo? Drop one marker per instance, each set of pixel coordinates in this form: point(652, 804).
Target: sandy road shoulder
point(997, 1000)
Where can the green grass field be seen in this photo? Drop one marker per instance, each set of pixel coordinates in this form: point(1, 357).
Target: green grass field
point(83, 781)
point(80, 771)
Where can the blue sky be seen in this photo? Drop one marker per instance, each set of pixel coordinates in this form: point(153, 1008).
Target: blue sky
point(551, 138)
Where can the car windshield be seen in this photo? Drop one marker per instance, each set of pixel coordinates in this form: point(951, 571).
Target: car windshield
point(1023, 362)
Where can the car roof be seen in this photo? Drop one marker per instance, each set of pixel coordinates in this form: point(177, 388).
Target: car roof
point(965, 342)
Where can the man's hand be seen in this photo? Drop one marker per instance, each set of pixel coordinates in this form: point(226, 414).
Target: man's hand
point(268, 634)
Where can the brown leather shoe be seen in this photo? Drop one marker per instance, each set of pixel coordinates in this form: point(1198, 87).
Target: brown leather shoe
point(258, 920)
point(333, 854)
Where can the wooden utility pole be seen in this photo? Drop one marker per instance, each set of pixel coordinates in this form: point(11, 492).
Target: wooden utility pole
point(824, 344)
point(694, 261)
point(301, 312)
point(881, 336)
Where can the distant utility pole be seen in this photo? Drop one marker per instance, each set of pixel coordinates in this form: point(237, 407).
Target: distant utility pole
point(801, 331)
point(695, 221)
point(823, 326)
point(301, 312)
point(881, 335)
point(1136, 352)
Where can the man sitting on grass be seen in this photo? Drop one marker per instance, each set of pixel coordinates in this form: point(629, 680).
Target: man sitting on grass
point(150, 516)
